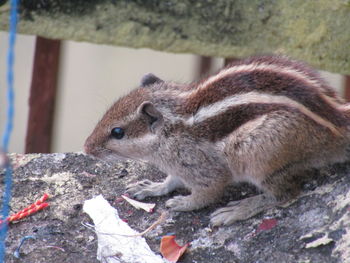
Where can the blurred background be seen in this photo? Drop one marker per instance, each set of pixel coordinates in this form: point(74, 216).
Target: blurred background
point(91, 77)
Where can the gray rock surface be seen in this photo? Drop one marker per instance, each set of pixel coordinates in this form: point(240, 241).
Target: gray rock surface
point(314, 31)
point(313, 228)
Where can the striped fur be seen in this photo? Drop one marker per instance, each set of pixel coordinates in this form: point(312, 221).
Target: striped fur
point(253, 99)
point(215, 107)
point(268, 79)
point(263, 120)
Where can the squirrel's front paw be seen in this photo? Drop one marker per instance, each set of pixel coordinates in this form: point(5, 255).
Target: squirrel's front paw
point(181, 203)
point(141, 190)
point(178, 203)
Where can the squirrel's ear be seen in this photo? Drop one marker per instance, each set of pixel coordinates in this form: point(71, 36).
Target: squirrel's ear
point(150, 79)
point(154, 117)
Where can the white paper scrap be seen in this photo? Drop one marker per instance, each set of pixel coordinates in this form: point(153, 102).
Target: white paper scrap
point(116, 240)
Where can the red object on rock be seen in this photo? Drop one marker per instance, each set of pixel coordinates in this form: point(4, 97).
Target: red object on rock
point(267, 224)
point(33, 208)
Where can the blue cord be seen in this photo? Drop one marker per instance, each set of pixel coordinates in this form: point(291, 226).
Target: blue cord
point(10, 90)
point(9, 124)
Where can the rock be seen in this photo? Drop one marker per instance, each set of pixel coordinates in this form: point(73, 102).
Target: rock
point(314, 31)
point(313, 228)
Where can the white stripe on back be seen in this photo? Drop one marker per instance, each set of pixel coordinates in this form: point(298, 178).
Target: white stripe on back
point(219, 107)
point(250, 68)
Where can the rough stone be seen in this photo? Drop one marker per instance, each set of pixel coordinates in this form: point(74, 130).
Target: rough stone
point(315, 31)
point(313, 228)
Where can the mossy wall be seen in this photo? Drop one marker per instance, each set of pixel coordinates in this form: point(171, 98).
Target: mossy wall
point(315, 31)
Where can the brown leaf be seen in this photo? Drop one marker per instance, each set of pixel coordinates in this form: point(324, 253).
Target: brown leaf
point(170, 249)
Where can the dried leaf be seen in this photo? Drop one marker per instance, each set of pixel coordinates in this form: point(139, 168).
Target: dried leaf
point(319, 242)
point(137, 204)
point(267, 224)
point(170, 249)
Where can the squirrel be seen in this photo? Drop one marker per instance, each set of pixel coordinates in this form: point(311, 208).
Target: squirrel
point(265, 120)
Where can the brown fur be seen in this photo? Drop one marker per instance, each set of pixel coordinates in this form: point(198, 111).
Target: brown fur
point(219, 126)
point(269, 82)
point(294, 64)
point(265, 125)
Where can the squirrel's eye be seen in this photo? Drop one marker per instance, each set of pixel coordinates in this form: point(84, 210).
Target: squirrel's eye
point(117, 133)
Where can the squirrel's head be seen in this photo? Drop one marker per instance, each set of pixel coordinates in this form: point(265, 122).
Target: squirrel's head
point(129, 128)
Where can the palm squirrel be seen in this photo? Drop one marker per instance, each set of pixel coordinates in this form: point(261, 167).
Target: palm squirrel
point(263, 120)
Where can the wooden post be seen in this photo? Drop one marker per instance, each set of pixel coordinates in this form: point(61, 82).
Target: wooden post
point(228, 61)
point(205, 64)
point(42, 96)
point(347, 87)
